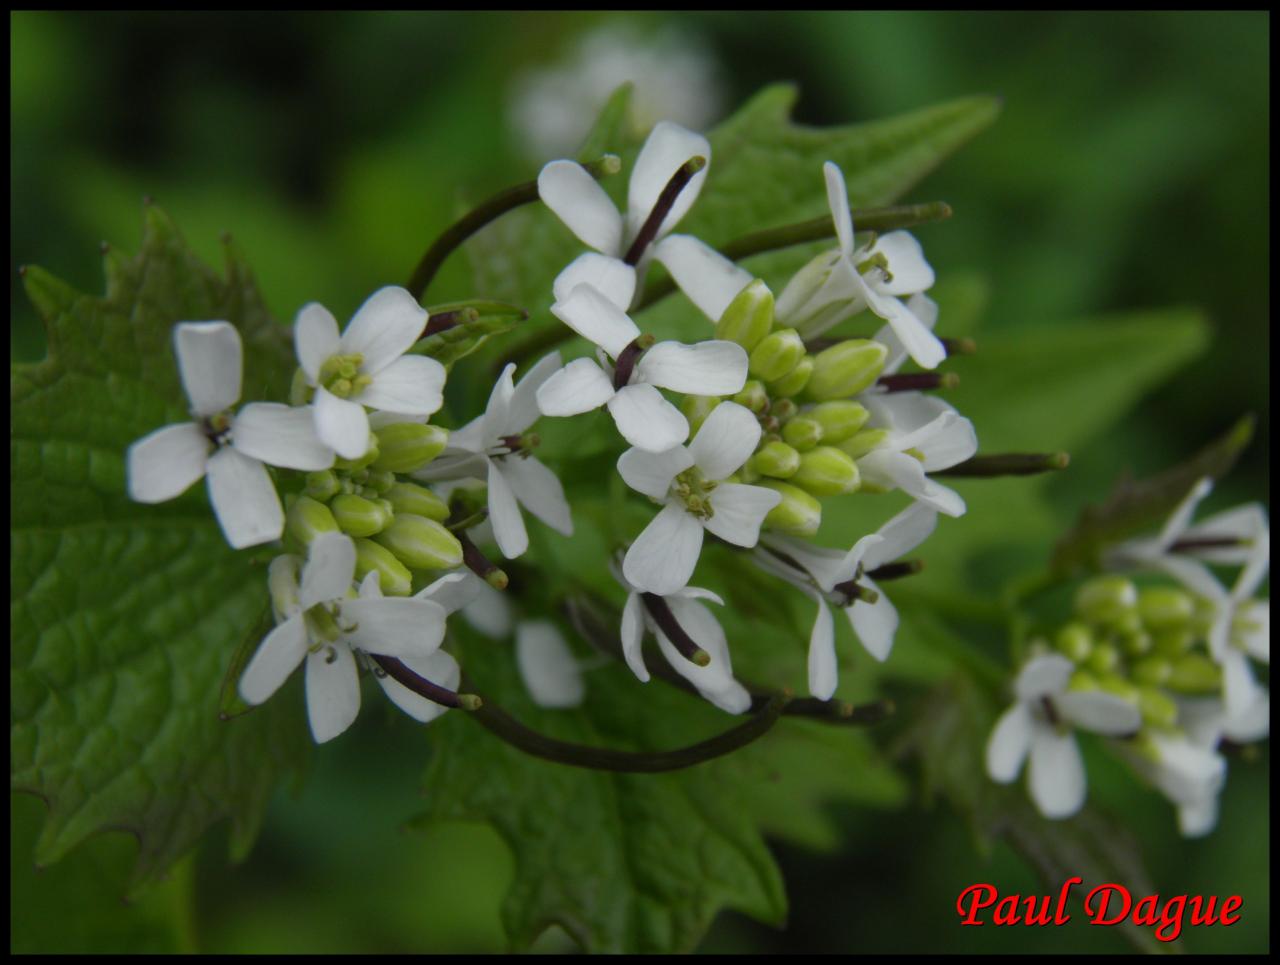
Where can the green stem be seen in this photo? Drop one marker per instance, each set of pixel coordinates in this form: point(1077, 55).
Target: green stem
point(481, 215)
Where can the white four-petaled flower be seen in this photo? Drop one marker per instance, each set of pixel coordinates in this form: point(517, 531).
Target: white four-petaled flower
point(689, 482)
point(366, 366)
point(229, 448)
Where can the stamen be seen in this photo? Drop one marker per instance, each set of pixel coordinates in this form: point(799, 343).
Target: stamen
point(667, 622)
point(628, 358)
point(649, 230)
point(918, 381)
point(398, 672)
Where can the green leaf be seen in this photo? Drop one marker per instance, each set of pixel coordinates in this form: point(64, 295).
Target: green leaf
point(124, 617)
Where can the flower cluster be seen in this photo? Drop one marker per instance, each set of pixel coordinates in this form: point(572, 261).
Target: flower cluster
point(1163, 668)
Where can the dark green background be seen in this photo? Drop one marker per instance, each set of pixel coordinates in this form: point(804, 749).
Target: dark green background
point(1129, 170)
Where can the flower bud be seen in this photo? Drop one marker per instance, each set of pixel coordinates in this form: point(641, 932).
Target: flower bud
point(307, 519)
point(696, 408)
point(1194, 673)
point(749, 316)
point(406, 446)
point(809, 303)
point(776, 459)
point(355, 465)
point(802, 433)
point(380, 480)
point(797, 515)
point(394, 577)
point(1165, 607)
point(1152, 671)
point(359, 516)
point(1173, 642)
point(1135, 642)
point(418, 501)
point(1106, 599)
point(783, 409)
point(793, 384)
point(322, 486)
point(1117, 686)
point(753, 396)
point(839, 419)
point(826, 471)
point(1158, 709)
point(1083, 680)
point(861, 443)
point(1104, 659)
point(1075, 641)
point(282, 584)
point(776, 355)
point(845, 369)
point(421, 543)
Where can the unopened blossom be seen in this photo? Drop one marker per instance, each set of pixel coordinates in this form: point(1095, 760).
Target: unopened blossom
point(492, 447)
point(714, 680)
point(820, 573)
point(547, 665)
point(228, 448)
point(366, 366)
point(689, 482)
point(582, 204)
point(629, 387)
point(1040, 725)
point(325, 625)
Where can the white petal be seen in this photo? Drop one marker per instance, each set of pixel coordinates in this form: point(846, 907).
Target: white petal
point(497, 413)
point(597, 319)
point(896, 469)
point(715, 681)
point(709, 279)
point(282, 584)
point(164, 463)
point(341, 424)
point(875, 624)
point(1180, 519)
point(522, 411)
point(333, 691)
point(578, 387)
point(504, 514)
point(546, 665)
point(1254, 724)
point(1100, 712)
point(1009, 744)
point(370, 587)
point(651, 473)
point(1253, 621)
point(1193, 575)
point(838, 201)
point(953, 444)
point(439, 668)
point(244, 499)
point(276, 657)
point(490, 613)
point(1242, 523)
point(668, 147)
point(384, 328)
point(707, 368)
point(739, 510)
point(393, 626)
point(578, 200)
point(822, 652)
point(1198, 819)
point(1255, 568)
point(699, 593)
point(452, 591)
point(280, 435)
point(911, 273)
point(922, 307)
point(1187, 773)
point(538, 490)
point(901, 535)
point(662, 558)
point(329, 570)
point(1057, 773)
point(632, 633)
point(209, 362)
point(925, 348)
point(646, 419)
point(413, 384)
point(315, 339)
point(725, 441)
point(827, 566)
point(611, 277)
point(1043, 676)
point(1239, 687)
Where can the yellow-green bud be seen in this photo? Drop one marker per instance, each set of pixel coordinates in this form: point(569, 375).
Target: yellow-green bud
point(826, 471)
point(1171, 643)
point(1083, 680)
point(776, 459)
point(839, 419)
point(282, 584)
point(793, 383)
point(749, 316)
point(323, 485)
point(696, 408)
point(1136, 643)
point(1106, 599)
point(417, 500)
point(393, 576)
point(406, 446)
point(1075, 641)
point(861, 443)
point(359, 516)
point(783, 409)
point(777, 354)
point(1104, 658)
point(1194, 673)
point(753, 396)
point(1165, 607)
point(845, 369)
point(1118, 686)
point(307, 519)
point(802, 433)
point(797, 515)
point(1152, 671)
point(1158, 709)
point(355, 465)
point(299, 392)
point(380, 480)
point(421, 543)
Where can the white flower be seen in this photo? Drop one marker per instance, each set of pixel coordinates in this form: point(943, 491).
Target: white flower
point(1039, 724)
point(229, 449)
point(646, 419)
point(687, 480)
point(1191, 774)
point(323, 625)
point(582, 204)
point(874, 623)
point(715, 680)
point(924, 434)
point(547, 665)
point(489, 448)
point(366, 366)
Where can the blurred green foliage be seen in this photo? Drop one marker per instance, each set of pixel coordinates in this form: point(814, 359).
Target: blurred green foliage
point(1128, 171)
